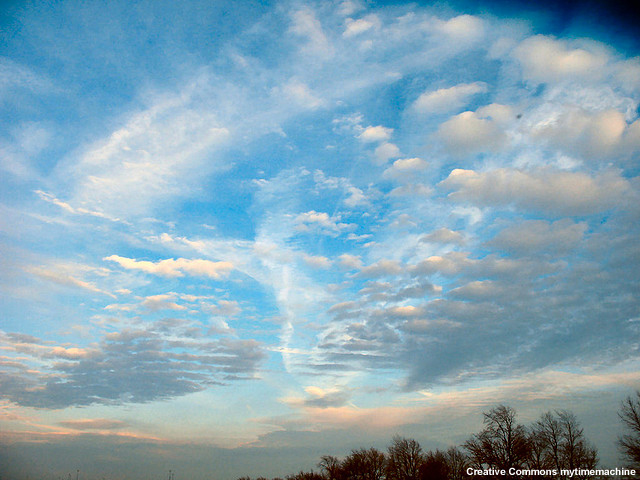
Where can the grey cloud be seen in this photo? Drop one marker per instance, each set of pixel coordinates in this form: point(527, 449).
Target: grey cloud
point(380, 269)
point(537, 236)
point(544, 189)
point(444, 235)
point(137, 365)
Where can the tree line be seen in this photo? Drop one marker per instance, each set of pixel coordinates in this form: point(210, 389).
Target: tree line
point(551, 447)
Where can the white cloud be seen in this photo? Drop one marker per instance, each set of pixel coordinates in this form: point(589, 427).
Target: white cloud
point(447, 99)
point(405, 168)
point(361, 25)
point(176, 268)
point(65, 278)
point(306, 24)
point(317, 261)
point(155, 155)
point(300, 93)
point(350, 261)
point(463, 28)
point(162, 302)
point(381, 268)
point(468, 132)
point(541, 189)
point(385, 152)
point(321, 221)
point(594, 135)
point(545, 59)
point(376, 134)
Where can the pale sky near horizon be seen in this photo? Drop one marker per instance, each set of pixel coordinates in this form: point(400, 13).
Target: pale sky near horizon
point(237, 236)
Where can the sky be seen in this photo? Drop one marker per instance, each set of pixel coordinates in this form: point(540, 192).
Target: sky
point(237, 236)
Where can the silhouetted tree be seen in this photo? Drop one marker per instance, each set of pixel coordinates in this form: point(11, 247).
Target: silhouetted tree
point(457, 462)
point(629, 443)
point(331, 466)
point(502, 444)
point(435, 466)
point(557, 442)
point(305, 476)
point(364, 465)
point(405, 457)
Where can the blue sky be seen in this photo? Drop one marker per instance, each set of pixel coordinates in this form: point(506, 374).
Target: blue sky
point(237, 237)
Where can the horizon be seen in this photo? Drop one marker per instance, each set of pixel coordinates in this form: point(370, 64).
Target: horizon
point(237, 237)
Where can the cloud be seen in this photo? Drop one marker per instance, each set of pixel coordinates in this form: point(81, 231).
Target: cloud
point(299, 93)
point(545, 59)
point(361, 25)
point(444, 235)
point(540, 236)
point(93, 424)
point(153, 156)
point(470, 132)
point(225, 308)
point(321, 222)
point(593, 135)
point(306, 24)
point(381, 268)
point(376, 134)
point(162, 302)
point(317, 261)
point(544, 189)
point(175, 268)
point(385, 152)
point(350, 261)
point(406, 168)
point(65, 279)
point(448, 99)
point(463, 29)
point(154, 361)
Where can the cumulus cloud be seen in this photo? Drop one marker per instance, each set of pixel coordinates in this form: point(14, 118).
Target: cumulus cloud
point(545, 189)
point(545, 59)
point(448, 99)
point(375, 134)
point(463, 28)
point(385, 152)
point(175, 268)
point(593, 135)
point(406, 168)
point(470, 132)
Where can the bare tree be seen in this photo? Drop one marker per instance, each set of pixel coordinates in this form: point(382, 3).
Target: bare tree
point(629, 443)
point(364, 465)
point(331, 466)
point(557, 442)
point(502, 444)
point(458, 462)
point(404, 459)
